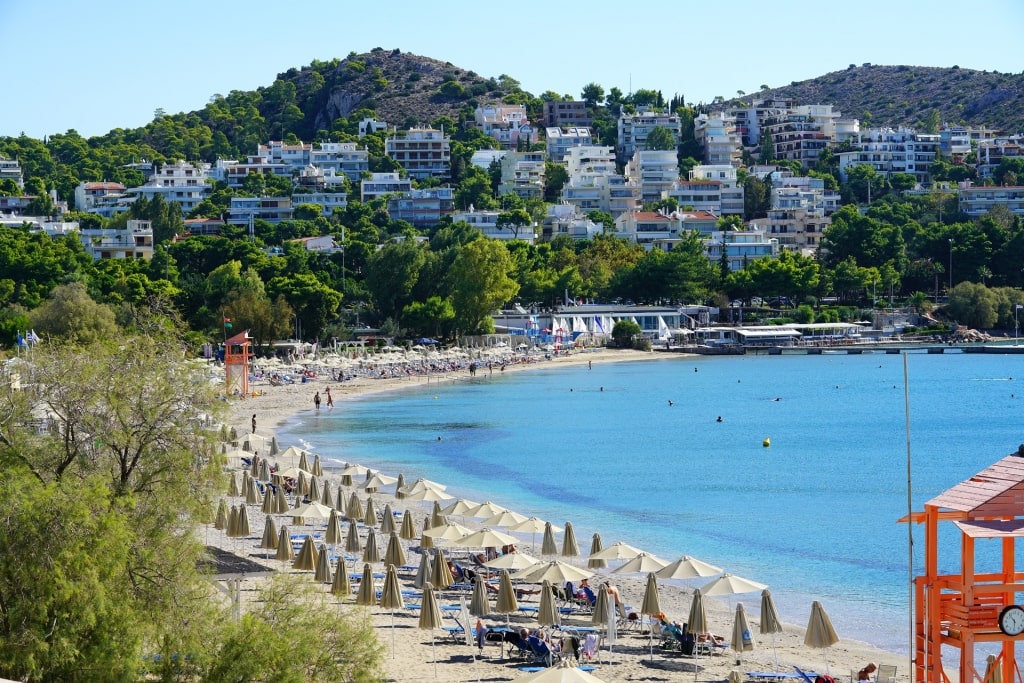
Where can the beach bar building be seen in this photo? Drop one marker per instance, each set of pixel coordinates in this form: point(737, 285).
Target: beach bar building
point(237, 357)
point(978, 605)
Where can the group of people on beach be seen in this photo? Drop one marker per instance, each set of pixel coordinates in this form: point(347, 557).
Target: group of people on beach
point(316, 399)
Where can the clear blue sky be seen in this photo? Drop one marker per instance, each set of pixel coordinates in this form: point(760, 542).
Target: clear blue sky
point(95, 65)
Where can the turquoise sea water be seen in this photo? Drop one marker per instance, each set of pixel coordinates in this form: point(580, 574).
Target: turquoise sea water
point(813, 516)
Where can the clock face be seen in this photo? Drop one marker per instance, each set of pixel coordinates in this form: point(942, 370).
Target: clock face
point(1011, 620)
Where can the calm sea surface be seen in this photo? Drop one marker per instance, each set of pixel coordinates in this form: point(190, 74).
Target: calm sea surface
point(813, 516)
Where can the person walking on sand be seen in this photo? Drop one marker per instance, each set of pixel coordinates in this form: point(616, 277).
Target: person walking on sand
point(330, 400)
point(254, 423)
point(316, 400)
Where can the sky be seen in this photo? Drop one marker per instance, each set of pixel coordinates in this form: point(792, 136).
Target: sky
point(103, 64)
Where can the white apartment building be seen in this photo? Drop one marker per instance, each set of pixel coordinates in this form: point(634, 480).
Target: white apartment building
point(343, 158)
point(717, 135)
point(371, 126)
point(135, 241)
point(655, 171)
point(977, 201)
point(731, 190)
point(561, 140)
point(423, 208)
point(11, 170)
point(634, 128)
point(565, 219)
point(750, 120)
point(590, 159)
point(797, 219)
point(646, 227)
point(802, 132)
point(293, 156)
point(487, 223)
point(740, 247)
point(891, 151)
point(991, 152)
point(180, 182)
point(382, 184)
point(522, 173)
point(234, 172)
point(699, 195)
point(244, 210)
point(422, 152)
point(608, 192)
point(328, 201)
point(99, 198)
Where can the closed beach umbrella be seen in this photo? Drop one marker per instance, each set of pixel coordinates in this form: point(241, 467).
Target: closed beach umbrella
point(269, 540)
point(547, 613)
point(548, 545)
point(254, 469)
point(371, 553)
point(221, 522)
point(341, 585)
point(322, 574)
point(697, 622)
point(307, 557)
point(742, 639)
point(314, 489)
point(280, 500)
point(367, 593)
point(993, 670)
point(318, 468)
point(327, 498)
point(728, 584)
point(650, 606)
point(820, 632)
point(505, 518)
point(303, 461)
point(333, 535)
point(596, 547)
point(436, 516)
point(232, 528)
point(440, 575)
point(233, 485)
point(426, 541)
point(687, 567)
point(480, 604)
point(352, 544)
point(616, 551)
point(399, 485)
point(770, 622)
point(512, 561)
point(297, 520)
point(601, 607)
point(408, 532)
point(506, 602)
point(268, 501)
point(274, 446)
point(387, 523)
point(424, 571)
point(354, 510)
point(370, 518)
point(394, 554)
point(340, 500)
point(430, 617)
point(569, 546)
point(285, 551)
point(391, 598)
point(252, 493)
point(557, 572)
point(641, 564)
point(302, 483)
point(264, 471)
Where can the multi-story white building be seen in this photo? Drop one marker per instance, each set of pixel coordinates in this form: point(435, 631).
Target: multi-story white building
point(565, 219)
point(731, 190)
point(655, 171)
point(801, 133)
point(740, 247)
point(344, 158)
point(383, 184)
point(11, 170)
point(522, 173)
point(179, 182)
point(483, 158)
point(797, 218)
point(424, 208)
point(634, 129)
point(244, 210)
point(134, 241)
point(891, 151)
point(699, 195)
point(977, 201)
point(99, 198)
point(234, 173)
point(506, 123)
point(590, 159)
point(293, 156)
point(328, 201)
point(646, 227)
point(371, 126)
point(608, 192)
point(422, 152)
point(750, 120)
point(991, 152)
point(561, 140)
point(717, 135)
point(487, 223)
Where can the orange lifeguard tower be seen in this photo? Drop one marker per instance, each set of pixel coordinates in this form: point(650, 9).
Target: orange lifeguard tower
point(961, 610)
point(237, 353)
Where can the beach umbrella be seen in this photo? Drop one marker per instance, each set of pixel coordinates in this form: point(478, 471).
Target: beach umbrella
point(436, 518)
point(233, 485)
point(341, 586)
point(352, 544)
point(236, 453)
point(993, 670)
point(820, 632)
point(687, 567)
point(254, 468)
point(274, 446)
point(269, 540)
point(233, 434)
point(650, 605)
point(333, 535)
point(480, 604)
point(339, 500)
point(461, 507)
point(232, 528)
point(291, 473)
point(548, 545)
point(569, 546)
point(605, 615)
point(264, 470)
point(452, 531)
point(399, 485)
point(371, 553)
point(307, 557)
point(268, 501)
point(327, 498)
point(242, 530)
point(742, 640)
point(616, 551)
point(370, 518)
point(314, 488)
point(641, 564)
point(297, 520)
point(285, 551)
point(440, 575)
point(224, 436)
point(252, 493)
point(562, 672)
point(292, 454)
point(428, 495)
point(556, 571)
point(354, 510)
point(391, 598)
point(426, 541)
point(424, 571)
point(302, 483)
point(770, 622)
point(430, 618)
point(728, 584)
point(387, 522)
point(280, 500)
point(221, 521)
point(304, 462)
point(318, 468)
point(488, 509)
point(596, 547)
point(505, 602)
point(697, 622)
point(484, 538)
point(322, 574)
point(423, 484)
point(367, 593)
point(408, 532)
point(351, 470)
point(394, 554)
point(531, 525)
point(378, 481)
point(505, 518)
point(312, 511)
point(512, 561)
point(547, 612)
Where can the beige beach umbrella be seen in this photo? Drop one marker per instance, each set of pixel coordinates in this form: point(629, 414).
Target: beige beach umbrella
point(350, 472)
point(555, 571)
point(233, 485)
point(993, 670)
point(820, 632)
point(440, 575)
point(423, 484)
point(313, 511)
point(285, 551)
point(484, 538)
point(254, 466)
point(436, 517)
point(371, 553)
point(430, 618)
point(352, 544)
point(304, 462)
point(505, 519)
point(596, 547)
point(548, 545)
point(354, 510)
point(367, 593)
point(341, 586)
point(394, 554)
point(616, 551)
point(408, 532)
point(370, 517)
point(426, 541)
point(531, 525)
point(236, 454)
point(378, 481)
point(264, 470)
point(322, 573)
point(252, 493)
point(770, 622)
point(512, 561)
point(452, 531)
point(562, 672)
point(224, 436)
point(569, 546)
point(687, 567)
point(314, 489)
point(233, 434)
point(387, 519)
point(728, 584)
point(280, 500)
point(480, 604)
point(327, 498)
point(291, 473)
point(391, 599)
point(340, 500)
point(291, 455)
point(232, 530)
point(601, 607)
point(269, 540)
point(399, 485)
point(268, 501)
point(302, 483)
point(424, 571)
point(221, 521)
point(275, 447)
point(697, 621)
point(307, 557)
point(742, 639)
point(461, 507)
point(318, 468)
point(487, 509)
point(296, 519)
point(651, 606)
point(641, 564)
point(428, 495)
point(333, 535)
point(506, 603)
point(547, 612)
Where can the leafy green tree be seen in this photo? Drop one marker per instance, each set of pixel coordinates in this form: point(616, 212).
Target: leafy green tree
point(392, 275)
point(592, 94)
point(514, 221)
point(475, 190)
point(480, 283)
point(71, 315)
point(431, 317)
point(661, 138)
point(315, 304)
point(555, 178)
point(973, 305)
point(625, 332)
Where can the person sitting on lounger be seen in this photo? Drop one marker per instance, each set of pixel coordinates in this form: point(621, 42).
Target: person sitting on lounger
point(865, 673)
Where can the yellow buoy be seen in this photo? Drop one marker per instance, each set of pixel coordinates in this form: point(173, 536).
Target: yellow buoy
point(767, 442)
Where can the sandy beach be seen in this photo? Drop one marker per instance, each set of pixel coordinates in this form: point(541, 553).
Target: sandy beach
point(412, 658)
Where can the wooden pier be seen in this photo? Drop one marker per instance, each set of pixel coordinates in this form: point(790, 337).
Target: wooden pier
point(849, 349)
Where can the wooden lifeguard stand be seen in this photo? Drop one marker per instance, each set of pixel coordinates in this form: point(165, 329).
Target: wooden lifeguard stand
point(237, 354)
point(959, 610)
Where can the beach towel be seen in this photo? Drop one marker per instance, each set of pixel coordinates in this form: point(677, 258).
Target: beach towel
point(590, 645)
